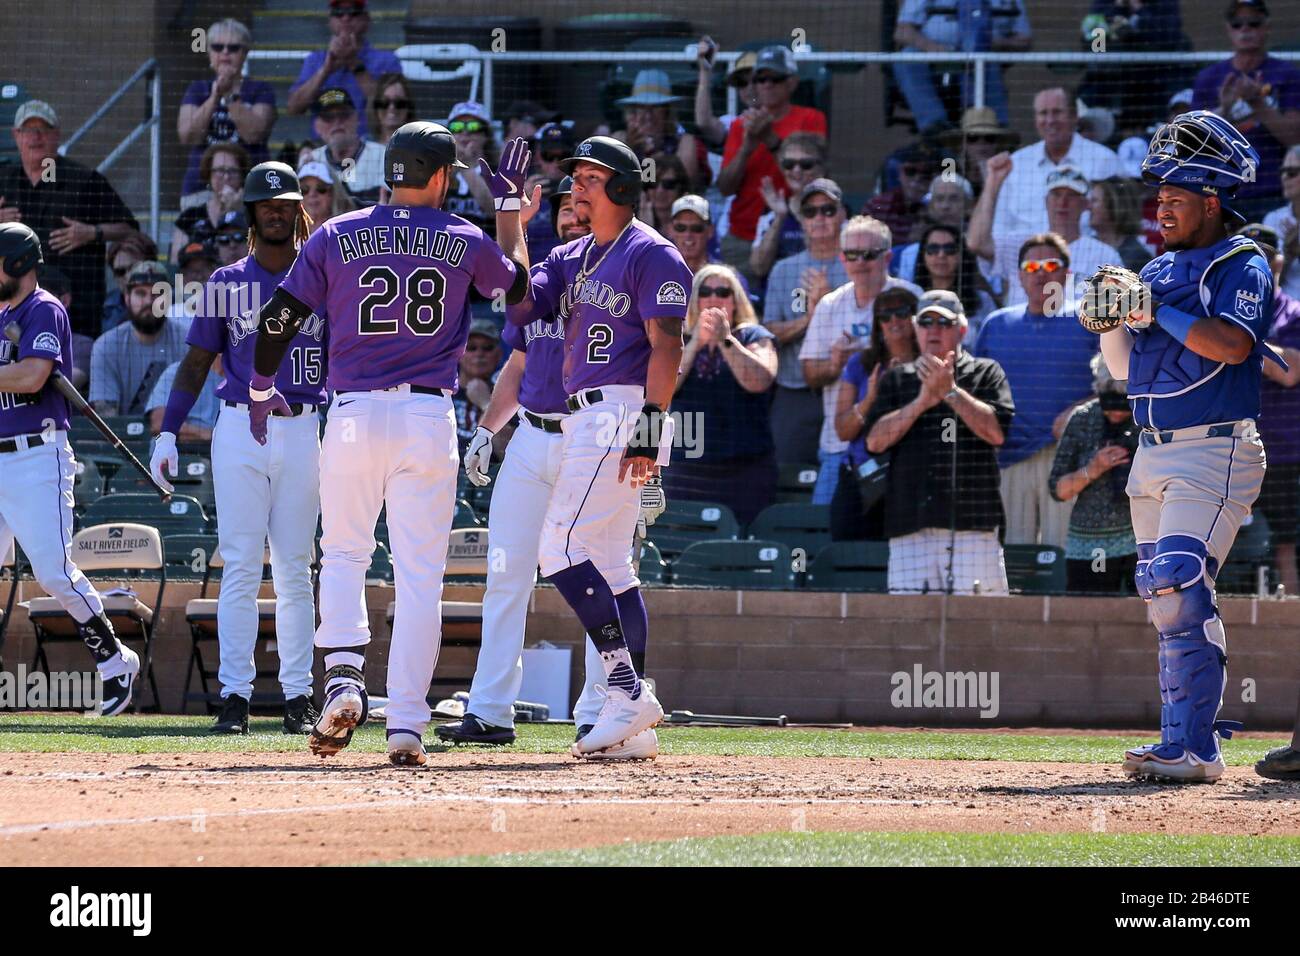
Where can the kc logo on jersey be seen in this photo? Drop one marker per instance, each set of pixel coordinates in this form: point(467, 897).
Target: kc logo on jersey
point(1248, 304)
point(47, 342)
point(670, 293)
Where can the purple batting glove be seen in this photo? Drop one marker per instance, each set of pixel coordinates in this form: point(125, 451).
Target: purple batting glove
point(507, 183)
point(264, 401)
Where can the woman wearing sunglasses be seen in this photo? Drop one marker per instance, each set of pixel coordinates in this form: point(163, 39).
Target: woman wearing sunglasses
point(392, 107)
point(223, 166)
point(779, 235)
point(225, 109)
point(469, 196)
point(323, 196)
point(945, 262)
point(893, 342)
point(669, 184)
point(726, 453)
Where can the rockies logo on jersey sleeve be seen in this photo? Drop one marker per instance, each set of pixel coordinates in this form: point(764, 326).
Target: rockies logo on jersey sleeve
point(47, 342)
point(671, 293)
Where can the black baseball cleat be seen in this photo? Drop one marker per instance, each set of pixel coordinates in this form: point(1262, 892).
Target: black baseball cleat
point(300, 715)
point(1280, 763)
point(583, 730)
point(472, 730)
point(233, 718)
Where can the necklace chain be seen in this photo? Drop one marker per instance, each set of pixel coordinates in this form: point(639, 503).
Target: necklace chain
point(583, 271)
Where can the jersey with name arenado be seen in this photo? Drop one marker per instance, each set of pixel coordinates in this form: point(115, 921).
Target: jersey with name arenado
point(46, 334)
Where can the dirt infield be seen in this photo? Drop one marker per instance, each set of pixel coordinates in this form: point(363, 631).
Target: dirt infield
point(293, 809)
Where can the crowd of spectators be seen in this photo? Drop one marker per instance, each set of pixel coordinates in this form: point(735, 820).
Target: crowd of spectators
point(917, 347)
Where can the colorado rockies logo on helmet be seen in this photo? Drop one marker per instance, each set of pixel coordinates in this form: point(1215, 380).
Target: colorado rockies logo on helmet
point(273, 178)
point(584, 149)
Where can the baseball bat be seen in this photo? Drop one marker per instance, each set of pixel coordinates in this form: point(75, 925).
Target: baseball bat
point(65, 388)
point(731, 720)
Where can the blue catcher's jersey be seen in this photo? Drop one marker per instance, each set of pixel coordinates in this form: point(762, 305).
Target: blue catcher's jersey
point(1169, 385)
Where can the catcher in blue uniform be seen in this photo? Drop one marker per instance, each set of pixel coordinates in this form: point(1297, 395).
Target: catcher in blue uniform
point(1187, 333)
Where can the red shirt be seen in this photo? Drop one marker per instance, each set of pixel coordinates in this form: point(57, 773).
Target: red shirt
point(748, 205)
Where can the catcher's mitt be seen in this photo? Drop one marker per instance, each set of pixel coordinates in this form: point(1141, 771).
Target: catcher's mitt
point(1112, 296)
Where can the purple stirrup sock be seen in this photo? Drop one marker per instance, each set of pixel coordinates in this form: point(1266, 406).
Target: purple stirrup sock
point(591, 599)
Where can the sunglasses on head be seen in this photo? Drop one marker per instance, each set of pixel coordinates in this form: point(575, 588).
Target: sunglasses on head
point(392, 104)
point(715, 292)
point(823, 209)
point(866, 255)
point(467, 126)
point(225, 47)
point(695, 227)
point(941, 248)
point(668, 184)
point(943, 321)
point(804, 164)
point(1030, 266)
point(1245, 24)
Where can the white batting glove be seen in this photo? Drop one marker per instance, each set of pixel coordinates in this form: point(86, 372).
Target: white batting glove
point(478, 457)
point(653, 501)
point(164, 452)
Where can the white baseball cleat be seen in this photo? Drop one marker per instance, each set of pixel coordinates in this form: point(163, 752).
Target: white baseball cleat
point(405, 749)
point(119, 685)
point(343, 711)
point(643, 746)
point(1135, 758)
point(1184, 766)
point(620, 719)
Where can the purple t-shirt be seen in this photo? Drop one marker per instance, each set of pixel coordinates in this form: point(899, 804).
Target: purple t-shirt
point(378, 62)
point(1282, 90)
point(221, 128)
point(541, 390)
point(47, 334)
point(1279, 415)
point(393, 284)
point(641, 278)
point(859, 376)
point(226, 320)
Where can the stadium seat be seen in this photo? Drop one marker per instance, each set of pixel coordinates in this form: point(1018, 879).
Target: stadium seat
point(1034, 568)
point(9, 565)
point(804, 526)
point(467, 556)
point(685, 522)
point(465, 516)
point(381, 566)
point(191, 557)
point(124, 547)
point(87, 484)
point(1252, 550)
point(652, 569)
point(462, 626)
point(181, 515)
point(741, 565)
point(794, 482)
point(851, 566)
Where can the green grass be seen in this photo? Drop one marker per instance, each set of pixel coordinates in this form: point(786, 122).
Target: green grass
point(914, 849)
point(52, 733)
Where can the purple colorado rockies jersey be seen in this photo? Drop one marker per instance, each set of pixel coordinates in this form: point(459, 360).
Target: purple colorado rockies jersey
point(541, 390)
point(47, 334)
point(393, 283)
point(643, 277)
point(226, 319)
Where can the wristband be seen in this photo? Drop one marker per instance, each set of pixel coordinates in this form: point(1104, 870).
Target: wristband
point(178, 409)
point(1174, 321)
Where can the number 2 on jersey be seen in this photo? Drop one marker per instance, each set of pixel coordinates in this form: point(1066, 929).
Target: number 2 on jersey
point(599, 338)
point(424, 293)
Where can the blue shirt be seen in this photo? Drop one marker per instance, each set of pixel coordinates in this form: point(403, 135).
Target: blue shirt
point(1046, 363)
point(206, 404)
point(377, 62)
point(1169, 385)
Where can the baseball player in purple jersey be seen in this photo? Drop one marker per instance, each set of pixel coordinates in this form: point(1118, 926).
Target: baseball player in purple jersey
point(624, 291)
point(36, 462)
point(266, 491)
point(393, 282)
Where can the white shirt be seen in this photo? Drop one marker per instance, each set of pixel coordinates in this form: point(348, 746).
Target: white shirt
point(838, 313)
point(1086, 255)
point(1022, 203)
point(366, 173)
point(1283, 219)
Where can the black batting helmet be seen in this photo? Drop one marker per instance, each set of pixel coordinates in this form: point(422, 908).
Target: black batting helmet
point(271, 181)
point(20, 249)
point(563, 189)
point(416, 151)
point(624, 187)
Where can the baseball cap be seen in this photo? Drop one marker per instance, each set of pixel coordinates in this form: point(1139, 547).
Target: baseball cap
point(317, 169)
point(825, 186)
point(941, 302)
point(470, 108)
point(696, 204)
point(776, 59)
point(1067, 177)
point(486, 328)
point(1266, 237)
point(234, 219)
point(555, 136)
point(742, 64)
point(149, 272)
point(195, 250)
point(1183, 97)
point(36, 109)
point(359, 5)
point(1236, 5)
point(331, 99)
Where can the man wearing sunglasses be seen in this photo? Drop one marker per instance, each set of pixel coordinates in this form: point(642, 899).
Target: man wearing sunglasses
point(349, 62)
point(780, 230)
point(841, 326)
point(794, 289)
point(943, 418)
point(1285, 219)
point(1044, 353)
point(357, 161)
point(1259, 94)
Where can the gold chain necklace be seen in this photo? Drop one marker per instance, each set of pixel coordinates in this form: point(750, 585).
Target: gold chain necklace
point(583, 271)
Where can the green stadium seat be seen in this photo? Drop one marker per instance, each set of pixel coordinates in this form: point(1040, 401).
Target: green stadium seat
point(794, 482)
point(685, 522)
point(182, 515)
point(465, 516)
point(804, 526)
point(653, 570)
point(381, 566)
point(851, 566)
point(87, 484)
point(740, 565)
point(191, 557)
point(1034, 568)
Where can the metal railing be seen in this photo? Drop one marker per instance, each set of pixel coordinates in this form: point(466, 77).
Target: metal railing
point(152, 124)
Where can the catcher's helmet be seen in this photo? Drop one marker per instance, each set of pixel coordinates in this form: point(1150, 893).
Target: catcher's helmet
point(564, 189)
point(20, 249)
point(1201, 152)
point(624, 187)
point(271, 181)
point(417, 151)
